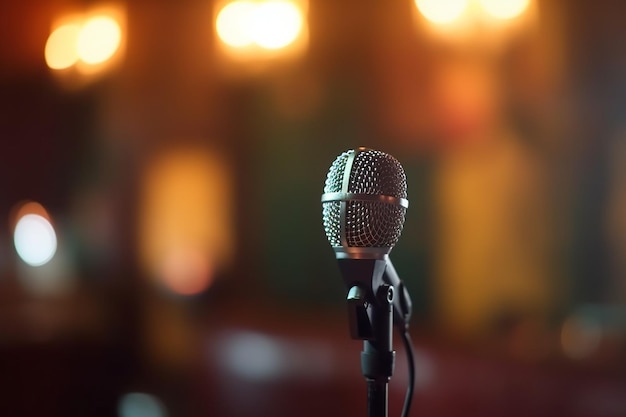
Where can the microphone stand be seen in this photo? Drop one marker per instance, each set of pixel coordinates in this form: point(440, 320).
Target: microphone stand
point(371, 320)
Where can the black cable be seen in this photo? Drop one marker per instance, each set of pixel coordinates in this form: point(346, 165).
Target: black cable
point(408, 347)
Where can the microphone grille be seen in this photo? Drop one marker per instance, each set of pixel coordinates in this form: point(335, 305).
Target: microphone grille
point(376, 224)
point(334, 178)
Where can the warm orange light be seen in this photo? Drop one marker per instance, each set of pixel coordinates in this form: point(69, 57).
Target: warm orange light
point(271, 24)
point(29, 207)
point(185, 229)
point(99, 39)
point(505, 9)
point(60, 51)
point(233, 23)
point(88, 41)
point(441, 11)
point(276, 24)
point(187, 271)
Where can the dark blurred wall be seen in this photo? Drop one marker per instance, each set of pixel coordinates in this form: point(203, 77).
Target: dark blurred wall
point(514, 160)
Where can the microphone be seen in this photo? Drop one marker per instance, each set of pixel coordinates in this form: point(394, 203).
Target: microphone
point(363, 207)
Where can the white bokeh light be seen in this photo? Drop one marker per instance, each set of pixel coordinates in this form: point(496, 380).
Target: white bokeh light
point(505, 9)
point(99, 39)
point(35, 240)
point(59, 51)
point(442, 11)
point(233, 23)
point(139, 404)
point(270, 24)
point(276, 24)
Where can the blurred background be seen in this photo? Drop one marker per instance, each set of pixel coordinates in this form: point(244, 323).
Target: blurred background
point(161, 166)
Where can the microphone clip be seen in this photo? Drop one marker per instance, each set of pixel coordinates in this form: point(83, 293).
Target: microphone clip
point(360, 325)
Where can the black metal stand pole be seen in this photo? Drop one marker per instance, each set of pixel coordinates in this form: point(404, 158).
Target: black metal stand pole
point(378, 357)
point(371, 314)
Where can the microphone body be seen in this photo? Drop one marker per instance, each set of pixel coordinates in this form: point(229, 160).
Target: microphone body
point(363, 206)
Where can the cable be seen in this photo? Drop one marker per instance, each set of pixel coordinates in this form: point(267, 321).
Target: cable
point(408, 347)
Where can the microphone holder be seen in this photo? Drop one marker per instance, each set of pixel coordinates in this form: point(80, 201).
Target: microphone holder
point(371, 320)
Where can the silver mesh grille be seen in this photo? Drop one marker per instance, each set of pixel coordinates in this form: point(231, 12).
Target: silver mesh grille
point(334, 178)
point(367, 223)
point(378, 173)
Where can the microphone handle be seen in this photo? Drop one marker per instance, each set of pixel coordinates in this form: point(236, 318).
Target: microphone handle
point(369, 274)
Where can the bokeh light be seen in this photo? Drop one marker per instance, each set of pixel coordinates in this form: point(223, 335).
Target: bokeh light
point(232, 23)
point(86, 40)
point(186, 226)
point(254, 356)
point(580, 337)
point(505, 9)
point(34, 236)
point(60, 52)
point(260, 357)
point(99, 39)
point(269, 25)
point(441, 11)
point(138, 404)
point(276, 24)
point(186, 271)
